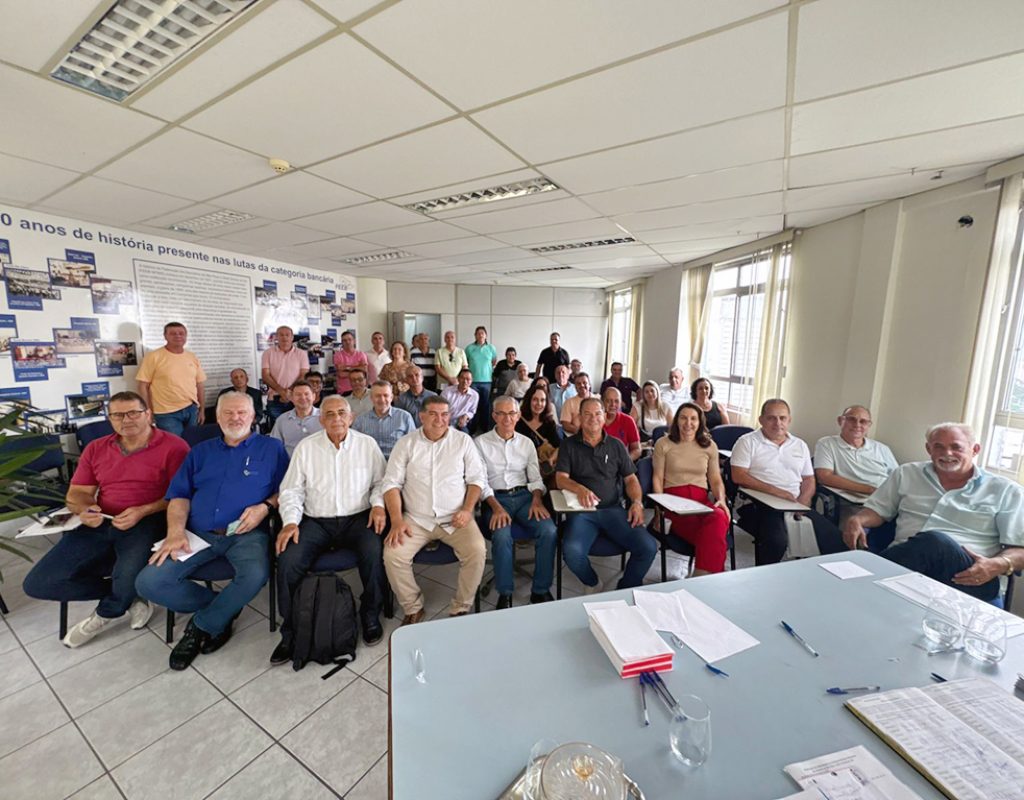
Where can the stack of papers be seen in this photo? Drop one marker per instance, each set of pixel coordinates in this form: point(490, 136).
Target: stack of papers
point(194, 542)
point(628, 639)
point(852, 774)
point(709, 634)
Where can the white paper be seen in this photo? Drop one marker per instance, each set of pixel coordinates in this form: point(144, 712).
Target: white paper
point(41, 529)
point(844, 570)
point(630, 635)
point(194, 542)
point(922, 591)
point(987, 709)
point(852, 774)
point(662, 609)
point(572, 501)
point(710, 635)
point(679, 505)
point(599, 604)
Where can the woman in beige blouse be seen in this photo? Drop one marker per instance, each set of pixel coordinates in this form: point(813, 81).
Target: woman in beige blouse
point(394, 373)
point(686, 465)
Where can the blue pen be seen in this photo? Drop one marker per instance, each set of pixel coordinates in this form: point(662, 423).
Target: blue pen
point(938, 678)
point(799, 638)
point(716, 670)
point(852, 689)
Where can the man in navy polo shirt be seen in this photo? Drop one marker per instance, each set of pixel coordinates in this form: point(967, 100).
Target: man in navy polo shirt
point(223, 493)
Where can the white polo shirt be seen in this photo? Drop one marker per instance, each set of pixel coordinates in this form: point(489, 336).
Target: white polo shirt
point(870, 463)
point(781, 465)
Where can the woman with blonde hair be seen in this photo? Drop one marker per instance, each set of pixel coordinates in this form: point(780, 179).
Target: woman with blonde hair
point(650, 411)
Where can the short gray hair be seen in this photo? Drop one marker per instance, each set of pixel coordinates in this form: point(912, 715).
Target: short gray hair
point(344, 400)
point(504, 399)
point(961, 427)
point(232, 395)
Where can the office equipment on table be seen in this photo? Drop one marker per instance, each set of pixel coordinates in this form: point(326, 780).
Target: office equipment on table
point(643, 699)
point(852, 689)
point(965, 736)
point(711, 635)
point(852, 774)
point(663, 611)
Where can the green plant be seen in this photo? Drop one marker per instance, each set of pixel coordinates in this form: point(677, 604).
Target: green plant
point(23, 493)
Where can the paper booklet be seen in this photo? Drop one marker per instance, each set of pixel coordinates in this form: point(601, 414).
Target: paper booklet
point(680, 505)
point(966, 736)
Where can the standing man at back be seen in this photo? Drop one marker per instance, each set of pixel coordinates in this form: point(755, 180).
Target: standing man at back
point(280, 367)
point(423, 357)
point(551, 357)
point(171, 382)
point(377, 355)
point(482, 357)
point(345, 360)
point(450, 360)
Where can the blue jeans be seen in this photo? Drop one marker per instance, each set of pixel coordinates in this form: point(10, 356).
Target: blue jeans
point(176, 421)
point(542, 531)
point(169, 585)
point(939, 556)
point(276, 408)
point(482, 419)
point(583, 528)
point(96, 564)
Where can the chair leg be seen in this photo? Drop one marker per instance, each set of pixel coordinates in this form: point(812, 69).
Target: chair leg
point(476, 602)
point(3, 606)
point(169, 636)
point(389, 603)
point(209, 585)
point(622, 562)
point(63, 619)
point(664, 563)
point(272, 595)
point(558, 565)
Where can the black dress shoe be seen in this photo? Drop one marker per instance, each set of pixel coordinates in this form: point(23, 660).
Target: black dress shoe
point(282, 653)
point(373, 632)
point(215, 643)
point(188, 647)
point(504, 601)
point(541, 598)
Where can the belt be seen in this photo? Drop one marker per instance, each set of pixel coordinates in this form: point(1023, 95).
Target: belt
point(220, 531)
point(513, 490)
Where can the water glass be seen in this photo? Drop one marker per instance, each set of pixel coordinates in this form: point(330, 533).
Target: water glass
point(943, 624)
point(690, 730)
point(534, 765)
point(985, 637)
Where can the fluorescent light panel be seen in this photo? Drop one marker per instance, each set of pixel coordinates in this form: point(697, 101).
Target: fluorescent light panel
point(137, 39)
point(536, 269)
point(505, 191)
point(215, 219)
point(558, 248)
point(383, 257)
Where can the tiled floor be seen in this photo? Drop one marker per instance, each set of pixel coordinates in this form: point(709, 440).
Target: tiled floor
point(110, 720)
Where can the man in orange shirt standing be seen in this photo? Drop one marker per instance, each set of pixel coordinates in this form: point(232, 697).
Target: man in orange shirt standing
point(171, 381)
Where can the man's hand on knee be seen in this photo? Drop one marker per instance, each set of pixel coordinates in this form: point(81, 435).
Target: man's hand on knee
point(289, 533)
point(981, 571)
point(399, 531)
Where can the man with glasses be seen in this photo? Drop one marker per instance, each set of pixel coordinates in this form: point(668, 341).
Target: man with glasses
point(850, 460)
point(118, 494)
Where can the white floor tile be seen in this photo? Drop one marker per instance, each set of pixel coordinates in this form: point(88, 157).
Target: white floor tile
point(275, 774)
point(53, 657)
point(374, 785)
point(27, 715)
point(378, 673)
point(102, 789)
point(50, 768)
point(246, 655)
point(18, 671)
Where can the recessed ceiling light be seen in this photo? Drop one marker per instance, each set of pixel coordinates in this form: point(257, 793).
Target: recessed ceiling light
point(137, 39)
point(382, 257)
point(557, 248)
point(215, 219)
point(505, 191)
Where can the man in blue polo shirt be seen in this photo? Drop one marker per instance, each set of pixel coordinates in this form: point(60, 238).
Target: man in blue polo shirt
point(223, 493)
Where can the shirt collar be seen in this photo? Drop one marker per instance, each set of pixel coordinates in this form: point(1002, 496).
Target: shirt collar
point(248, 440)
point(785, 441)
point(975, 479)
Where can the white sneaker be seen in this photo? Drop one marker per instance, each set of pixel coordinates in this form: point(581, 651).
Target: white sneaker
point(85, 630)
point(139, 613)
point(597, 588)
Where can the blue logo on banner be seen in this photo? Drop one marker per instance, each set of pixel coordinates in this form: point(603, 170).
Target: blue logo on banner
point(16, 393)
point(300, 289)
point(23, 375)
point(97, 388)
point(8, 321)
point(329, 294)
point(90, 324)
point(270, 285)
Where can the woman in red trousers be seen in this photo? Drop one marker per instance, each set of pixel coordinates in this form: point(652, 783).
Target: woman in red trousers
point(686, 465)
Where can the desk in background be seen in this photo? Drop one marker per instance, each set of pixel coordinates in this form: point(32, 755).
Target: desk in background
point(497, 683)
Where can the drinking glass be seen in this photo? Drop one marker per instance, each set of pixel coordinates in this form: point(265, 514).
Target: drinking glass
point(985, 637)
point(534, 765)
point(690, 730)
point(943, 624)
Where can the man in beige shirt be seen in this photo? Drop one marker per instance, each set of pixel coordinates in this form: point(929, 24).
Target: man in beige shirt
point(171, 381)
point(570, 417)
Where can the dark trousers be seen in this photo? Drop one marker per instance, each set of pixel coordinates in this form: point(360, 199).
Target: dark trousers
point(771, 539)
point(317, 535)
point(939, 556)
point(482, 422)
point(97, 563)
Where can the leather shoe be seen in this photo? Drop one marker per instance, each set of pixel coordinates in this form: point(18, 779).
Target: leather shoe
point(372, 632)
point(504, 601)
point(412, 619)
point(282, 653)
point(188, 647)
point(215, 643)
point(541, 598)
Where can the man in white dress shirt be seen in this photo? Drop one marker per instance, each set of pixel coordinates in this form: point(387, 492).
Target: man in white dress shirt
point(673, 393)
point(515, 492)
point(330, 498)
point(433, 480)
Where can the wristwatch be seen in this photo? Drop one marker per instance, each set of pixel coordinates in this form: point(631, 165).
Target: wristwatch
point(270, 507)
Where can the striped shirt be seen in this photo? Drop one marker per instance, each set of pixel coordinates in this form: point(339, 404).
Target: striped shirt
point(385, 430)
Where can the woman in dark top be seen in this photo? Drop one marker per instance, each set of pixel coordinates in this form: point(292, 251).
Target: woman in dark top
point(714, 415)
point(537, 423)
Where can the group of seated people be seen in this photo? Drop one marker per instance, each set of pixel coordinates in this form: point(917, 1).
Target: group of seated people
point(389, 477)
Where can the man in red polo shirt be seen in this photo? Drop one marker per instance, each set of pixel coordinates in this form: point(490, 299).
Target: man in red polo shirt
point(118, 493)
point(620, 425)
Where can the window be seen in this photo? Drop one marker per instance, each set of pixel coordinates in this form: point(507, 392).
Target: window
point(738, 292)
point(621, 328)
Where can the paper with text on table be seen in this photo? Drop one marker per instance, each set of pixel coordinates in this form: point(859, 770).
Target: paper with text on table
point(662, 609)
point(852, 774)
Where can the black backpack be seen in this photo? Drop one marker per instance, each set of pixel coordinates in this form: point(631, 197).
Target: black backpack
point(323, 622)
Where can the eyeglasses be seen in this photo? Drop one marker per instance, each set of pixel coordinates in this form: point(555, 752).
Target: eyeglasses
point(120, 416)
point(858, 421)
point(506, 413)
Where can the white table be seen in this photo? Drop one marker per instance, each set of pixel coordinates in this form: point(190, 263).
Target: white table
point(772, 501)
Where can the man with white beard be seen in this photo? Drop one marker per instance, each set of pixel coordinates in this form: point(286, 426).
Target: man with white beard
point(955, 523)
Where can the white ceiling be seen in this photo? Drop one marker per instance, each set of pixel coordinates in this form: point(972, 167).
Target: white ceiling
point(692, 126)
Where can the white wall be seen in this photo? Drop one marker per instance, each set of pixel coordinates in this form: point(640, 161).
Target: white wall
point(520, 317)
point(663, 325)
point(372, 307)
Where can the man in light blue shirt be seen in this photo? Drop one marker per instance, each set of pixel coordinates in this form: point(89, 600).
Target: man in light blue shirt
point(482, 357)
point(955, 522)
point(385, 423)
point(561, 390)
point(851, 461)
point(293, 426)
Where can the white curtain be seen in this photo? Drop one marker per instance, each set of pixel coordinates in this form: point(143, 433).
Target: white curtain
point(698, 302)
point(772, 341)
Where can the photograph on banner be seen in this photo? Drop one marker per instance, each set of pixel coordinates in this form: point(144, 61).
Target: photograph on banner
point(74, 341)
point(35, 354)
point(327, 299)
point(72, 274)
point(83, 406)
point(265, 297)
point(27, 288)
point(109, 297)
point(112, 357)
point(5, 255)
point(348, 303)
point(8, 331)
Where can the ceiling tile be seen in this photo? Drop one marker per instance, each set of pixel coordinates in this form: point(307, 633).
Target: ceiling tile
point(597, 254)
point(296, 194)
point(33, 33)
point(262, 115)
point(757, 206)
point(986, 91)
point(501, 254)
point(566, 210)
point(986, 141)
point(599, 228)
point(186, 164)
point(473, 244)
point(805, 219)
point(429, 38)
point(625, 263)
point(839, 43)
point(757, 226)
point(53, 123)
point(26, 182)
point(359, 219)
point(760, 137)
point(95, 198)
point(328, 248)
point(738, 72)
point(736, 182)
point(259, 40)
point(673, 249)
point(276, 234)
point(442, 154)
point(344, 10)
point(420, 233)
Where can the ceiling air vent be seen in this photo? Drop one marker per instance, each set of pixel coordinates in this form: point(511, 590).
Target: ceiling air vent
point(505, 191)
point(558, 248)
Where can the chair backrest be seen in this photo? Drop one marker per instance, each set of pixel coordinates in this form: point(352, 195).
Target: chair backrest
point(194, 434)
point(645, 474)
point(725, 436)
point(92, 432)
point(52, 458)
point(658, 432)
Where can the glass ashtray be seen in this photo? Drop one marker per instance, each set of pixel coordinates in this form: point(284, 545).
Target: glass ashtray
point(580, 771)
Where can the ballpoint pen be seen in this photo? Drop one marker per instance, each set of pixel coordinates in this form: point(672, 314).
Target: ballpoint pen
point(645, 677)
point(799, 638)
point(851, 689)
point(664, 688)
point(643, 700)
point(679, 643)
point(938, 678)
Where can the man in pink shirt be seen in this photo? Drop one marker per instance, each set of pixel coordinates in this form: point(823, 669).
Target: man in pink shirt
point(281, 366)
point(620, 425)
point(345, 359)
point(118, 493)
